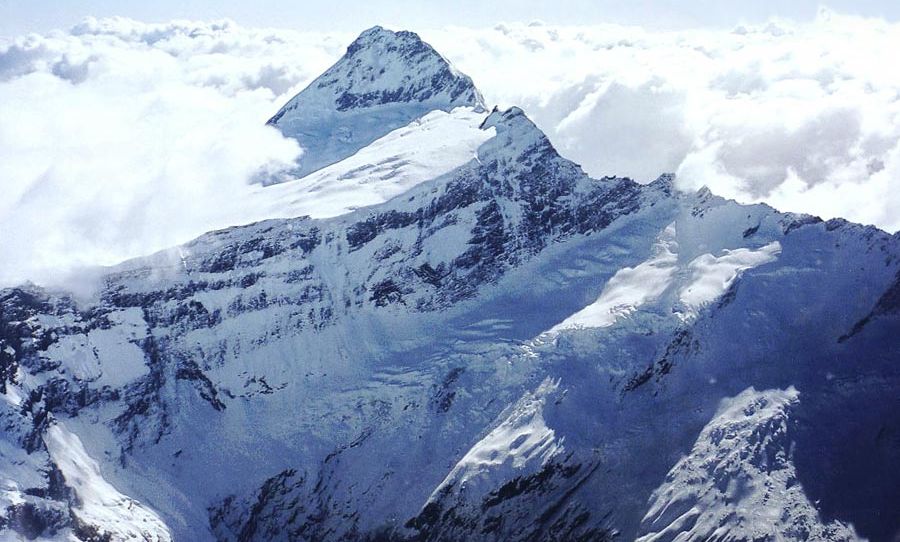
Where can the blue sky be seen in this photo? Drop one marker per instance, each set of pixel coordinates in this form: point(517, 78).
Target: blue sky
point(19, 16)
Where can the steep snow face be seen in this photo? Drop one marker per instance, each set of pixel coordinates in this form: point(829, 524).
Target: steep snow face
point(385, 80)
point(426, 148)
point(739, 482)
point(240, 326)
point(99, 505)
point(83, 354)
point(522, 439)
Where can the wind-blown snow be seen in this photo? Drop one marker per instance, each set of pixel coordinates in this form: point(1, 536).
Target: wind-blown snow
point(630, 287)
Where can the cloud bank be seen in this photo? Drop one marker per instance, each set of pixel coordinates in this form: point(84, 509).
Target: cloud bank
point(118, 138)
point(805, 117)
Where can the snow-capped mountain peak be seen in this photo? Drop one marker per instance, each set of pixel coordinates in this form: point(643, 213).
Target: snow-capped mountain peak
point(385, 80)
point(390, 67)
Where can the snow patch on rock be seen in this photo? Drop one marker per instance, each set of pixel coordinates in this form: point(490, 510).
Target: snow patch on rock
point(522, 439)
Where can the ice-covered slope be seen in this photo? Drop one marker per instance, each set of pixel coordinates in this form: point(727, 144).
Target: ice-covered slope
point(508, 351)
point(427, 147)
point(385, 80)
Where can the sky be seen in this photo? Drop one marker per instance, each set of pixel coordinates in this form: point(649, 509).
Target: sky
point(126, 128)
point(19, 16)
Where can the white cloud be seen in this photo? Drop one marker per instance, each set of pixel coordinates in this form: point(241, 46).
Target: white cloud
point(803, 116)
point(118, 137)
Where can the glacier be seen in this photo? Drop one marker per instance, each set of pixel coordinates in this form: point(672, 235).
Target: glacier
point(473, 341)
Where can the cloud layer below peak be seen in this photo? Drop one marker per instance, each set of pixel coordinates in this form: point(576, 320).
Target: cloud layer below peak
point(803, 116)
point(119, 138)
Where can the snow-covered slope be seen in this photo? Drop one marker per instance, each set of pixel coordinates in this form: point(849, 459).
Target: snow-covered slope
point(385, 80)
point(427, 147)
point(507, 350)
point(739, 481)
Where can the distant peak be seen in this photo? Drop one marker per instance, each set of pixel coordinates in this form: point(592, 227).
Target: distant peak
point(375, 34)
point(369, 36)
point(374, 31)
point(381, 34)
point(385, 80)
point(665, 182)
point(383, 67)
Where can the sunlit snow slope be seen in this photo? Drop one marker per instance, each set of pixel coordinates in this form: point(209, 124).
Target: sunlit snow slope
point(427, 147)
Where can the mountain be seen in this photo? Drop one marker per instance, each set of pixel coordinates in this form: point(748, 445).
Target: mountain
point(385, 80)
point(507, 350)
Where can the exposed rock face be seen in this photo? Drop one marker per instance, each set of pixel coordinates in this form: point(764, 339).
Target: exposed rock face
point(509, 351)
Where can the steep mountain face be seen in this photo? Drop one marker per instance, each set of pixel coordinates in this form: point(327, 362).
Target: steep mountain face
point(740, 474)
point(509, 350)
point(385, 80)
